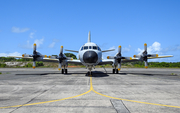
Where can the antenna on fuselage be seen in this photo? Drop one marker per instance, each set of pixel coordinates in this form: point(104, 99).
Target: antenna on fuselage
point(89, 37)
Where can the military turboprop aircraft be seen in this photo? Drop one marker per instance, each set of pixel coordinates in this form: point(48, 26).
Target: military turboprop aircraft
point(90, 55)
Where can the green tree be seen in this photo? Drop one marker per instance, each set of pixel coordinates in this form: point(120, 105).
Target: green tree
point(70, 55)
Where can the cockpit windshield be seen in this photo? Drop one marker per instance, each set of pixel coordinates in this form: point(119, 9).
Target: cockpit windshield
point(90, 47)
point(94, 47)
point(85, 47)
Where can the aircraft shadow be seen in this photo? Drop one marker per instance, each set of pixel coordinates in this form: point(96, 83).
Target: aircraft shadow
point(97, 74)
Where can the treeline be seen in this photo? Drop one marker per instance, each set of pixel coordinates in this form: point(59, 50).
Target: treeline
point(138, 64)
point(153, 64)
point(8, 59)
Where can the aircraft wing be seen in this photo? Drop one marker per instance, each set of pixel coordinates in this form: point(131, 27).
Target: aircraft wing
point(160, 57)
point(20, 57)
point(111, 61)
point(50, 60)
point(74, 62)
point(106, 61)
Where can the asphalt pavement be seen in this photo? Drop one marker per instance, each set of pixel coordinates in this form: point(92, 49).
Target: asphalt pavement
point(46, 90)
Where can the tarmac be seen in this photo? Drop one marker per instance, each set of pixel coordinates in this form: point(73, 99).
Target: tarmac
point(46, 90)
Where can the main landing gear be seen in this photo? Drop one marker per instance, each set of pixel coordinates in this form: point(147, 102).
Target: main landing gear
point(115, 71)
point(89, 73)
point(64, 71)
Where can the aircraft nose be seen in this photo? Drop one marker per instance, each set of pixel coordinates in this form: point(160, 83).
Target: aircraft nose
point(90, 57)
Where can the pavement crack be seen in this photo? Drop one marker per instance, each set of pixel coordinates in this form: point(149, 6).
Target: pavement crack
point(119, 106)
point(125, 106)
point(113, 106)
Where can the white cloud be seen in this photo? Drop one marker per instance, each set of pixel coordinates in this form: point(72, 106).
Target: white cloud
point(126, 49)
point(172, 48)
point(155, 48)
point(10, 54)
point(52, 45)
point(31, 35)
point(113, 53)
point(39, 42)
point(19, 30)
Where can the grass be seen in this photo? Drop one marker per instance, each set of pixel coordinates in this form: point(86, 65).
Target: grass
point(0, 72)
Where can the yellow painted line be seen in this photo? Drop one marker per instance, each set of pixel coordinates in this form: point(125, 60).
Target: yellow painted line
point(91, 89)
point(47, 101)
point(129, 100)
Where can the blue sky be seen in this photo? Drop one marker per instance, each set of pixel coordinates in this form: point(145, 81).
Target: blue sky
point(52, 23)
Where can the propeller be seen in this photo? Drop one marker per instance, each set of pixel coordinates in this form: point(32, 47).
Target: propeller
point(35, 56)
point(61, 57)
point(144, 56)
point(118, 58)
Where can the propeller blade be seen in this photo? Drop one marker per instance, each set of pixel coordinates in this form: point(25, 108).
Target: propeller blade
point(34, 64)
point(137, 56)
point(145, 47)
point(146, 64)
point(111, 57)
point(119, 66)
point(128, 58)
point(152, 55)
point(69, 58)
point(61, 50)
point(34, 47)
point(59, 68)
point(119, 49)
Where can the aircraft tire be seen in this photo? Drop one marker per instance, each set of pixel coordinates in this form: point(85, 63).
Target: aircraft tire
point(113, 71)
point(62, 71)
point(65, 71)
point(117, 71)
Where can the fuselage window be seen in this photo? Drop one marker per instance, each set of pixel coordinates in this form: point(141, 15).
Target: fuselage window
point(89, 47)
point(85, 47)
point(94, 47)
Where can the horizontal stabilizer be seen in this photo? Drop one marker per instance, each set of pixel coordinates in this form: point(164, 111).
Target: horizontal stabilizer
point(108, 50)
point(72, 51)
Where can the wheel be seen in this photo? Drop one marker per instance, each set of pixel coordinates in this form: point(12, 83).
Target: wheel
point(62, 71)
point(65, 71)
point(113, 71)
point(117, 71)
point(89, 73)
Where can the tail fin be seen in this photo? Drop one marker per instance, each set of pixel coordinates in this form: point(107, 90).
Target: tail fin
point(89, 37)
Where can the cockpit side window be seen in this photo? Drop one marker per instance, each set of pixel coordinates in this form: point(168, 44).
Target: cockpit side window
point(85, 47)
point(81, 48)
point(94, 47)
point(99, 49)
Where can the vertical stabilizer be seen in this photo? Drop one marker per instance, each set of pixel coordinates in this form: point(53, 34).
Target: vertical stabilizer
point(89, 37)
